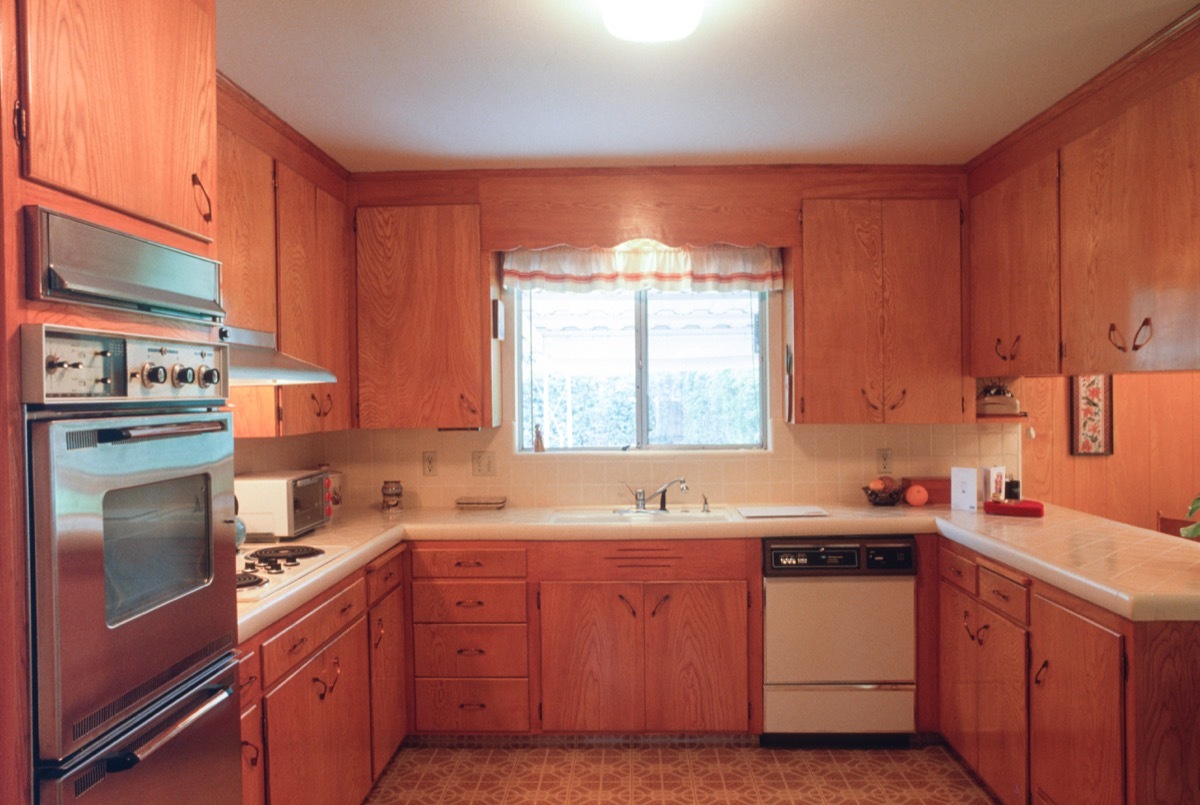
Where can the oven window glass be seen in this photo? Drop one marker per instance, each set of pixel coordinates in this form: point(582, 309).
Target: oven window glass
point(157, 544)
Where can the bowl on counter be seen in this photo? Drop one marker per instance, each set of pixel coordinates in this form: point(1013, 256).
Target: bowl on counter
point(886, 497)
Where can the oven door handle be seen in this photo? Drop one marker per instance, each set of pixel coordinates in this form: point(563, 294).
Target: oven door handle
point(158, 431)
point(123, 761)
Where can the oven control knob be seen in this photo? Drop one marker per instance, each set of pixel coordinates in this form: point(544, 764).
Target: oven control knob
point(182, 375)
point(208, 376)
point(153, 375)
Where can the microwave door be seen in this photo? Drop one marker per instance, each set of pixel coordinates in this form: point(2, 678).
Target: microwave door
point(185, 752)
point(133, 537)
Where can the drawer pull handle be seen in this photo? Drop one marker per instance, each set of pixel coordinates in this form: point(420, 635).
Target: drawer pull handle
point(471, 652)
point(346, 608)
point(1138, 343)
point(967, 624)
point(251, 759)
point(956, 571)
point(979, 634)
point(379, 639)
point(474, 706)
point(250, 680)
point(468, 563)
point(388, 576)
point(1037, 678)
point(628, 605)
point(469, 603)
point(659, 605)
point(1002, 596)
point(299, 644)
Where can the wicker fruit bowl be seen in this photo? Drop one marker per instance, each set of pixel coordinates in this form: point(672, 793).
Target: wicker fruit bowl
point(884, 497)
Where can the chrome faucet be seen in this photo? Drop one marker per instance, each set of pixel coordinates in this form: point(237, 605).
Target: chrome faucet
point(662, 490)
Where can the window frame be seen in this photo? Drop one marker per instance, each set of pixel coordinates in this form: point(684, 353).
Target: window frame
point(641, 383)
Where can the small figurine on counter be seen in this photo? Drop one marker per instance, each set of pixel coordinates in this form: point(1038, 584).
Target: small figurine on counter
point(539, 446)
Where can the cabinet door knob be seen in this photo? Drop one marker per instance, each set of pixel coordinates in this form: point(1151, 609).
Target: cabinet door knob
point(1037, 678)
point(206, 213)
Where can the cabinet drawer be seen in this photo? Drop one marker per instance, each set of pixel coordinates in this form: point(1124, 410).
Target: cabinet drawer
point(452, 563)
point(1004, 594)
point(458, 650)
point(958, 570)
point(298, 641)
point(249, 678)
point(472, 705)
point(468, 602)
point(646, 560)
point(384, 575)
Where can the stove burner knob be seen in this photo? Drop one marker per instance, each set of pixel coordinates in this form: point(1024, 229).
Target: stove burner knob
point(251, 565)
point(153, 375)
point(182, 375)
point(291, 561)
point(274, 568)
point(208, 376)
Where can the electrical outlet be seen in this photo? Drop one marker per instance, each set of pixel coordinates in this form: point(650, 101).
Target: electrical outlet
point(883, 463)
point(429, 462)
point(483, 463)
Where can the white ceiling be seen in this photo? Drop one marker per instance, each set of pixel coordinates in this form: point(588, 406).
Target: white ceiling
point(431, 84)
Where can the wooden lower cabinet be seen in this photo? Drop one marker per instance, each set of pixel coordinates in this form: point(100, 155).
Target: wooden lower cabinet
point(319, 726)
point(472, 705)
point(1076, 707)
point(388, 711)
point(653, 656)
point(254, 777)
point(957, 681)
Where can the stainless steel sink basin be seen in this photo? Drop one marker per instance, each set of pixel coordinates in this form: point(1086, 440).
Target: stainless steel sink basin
point(683, 514)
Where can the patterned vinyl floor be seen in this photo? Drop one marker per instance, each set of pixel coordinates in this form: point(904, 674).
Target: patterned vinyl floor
point(672, 772)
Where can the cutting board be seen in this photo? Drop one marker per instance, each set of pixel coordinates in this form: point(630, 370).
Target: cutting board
point(752, 512)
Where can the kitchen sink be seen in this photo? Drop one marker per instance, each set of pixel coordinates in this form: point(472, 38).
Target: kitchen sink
point(685, 514)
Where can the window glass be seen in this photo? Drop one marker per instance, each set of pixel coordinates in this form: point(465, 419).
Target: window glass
point(156, 544)
point(615, 370)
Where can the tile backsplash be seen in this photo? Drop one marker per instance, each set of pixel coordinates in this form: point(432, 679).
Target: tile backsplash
point(805, 464)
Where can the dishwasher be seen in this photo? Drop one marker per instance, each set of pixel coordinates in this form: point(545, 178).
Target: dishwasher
point(839, 635)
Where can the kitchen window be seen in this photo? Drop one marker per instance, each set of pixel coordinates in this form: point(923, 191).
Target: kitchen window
point(638, 355)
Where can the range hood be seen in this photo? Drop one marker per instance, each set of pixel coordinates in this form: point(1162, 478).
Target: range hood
point(254, 361)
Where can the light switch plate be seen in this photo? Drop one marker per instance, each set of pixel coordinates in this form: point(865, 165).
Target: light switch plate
point(964, 488)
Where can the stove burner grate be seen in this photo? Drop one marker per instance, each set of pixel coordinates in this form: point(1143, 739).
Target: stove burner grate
point(247, 580)
point(287, 552)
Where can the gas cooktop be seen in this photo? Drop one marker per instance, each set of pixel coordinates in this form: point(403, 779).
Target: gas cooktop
point(266, 569)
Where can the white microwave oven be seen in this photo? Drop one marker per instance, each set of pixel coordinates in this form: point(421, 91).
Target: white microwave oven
point(284, 504)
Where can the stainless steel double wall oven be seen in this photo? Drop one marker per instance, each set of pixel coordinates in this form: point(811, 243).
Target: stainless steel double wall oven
point(132, 568)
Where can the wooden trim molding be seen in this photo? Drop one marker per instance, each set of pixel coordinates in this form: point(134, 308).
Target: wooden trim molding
point(1168, 56)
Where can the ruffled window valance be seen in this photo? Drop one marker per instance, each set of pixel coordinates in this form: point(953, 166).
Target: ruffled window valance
point(645, 264)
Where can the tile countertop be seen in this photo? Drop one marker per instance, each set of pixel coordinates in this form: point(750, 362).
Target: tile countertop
point(1139, 574)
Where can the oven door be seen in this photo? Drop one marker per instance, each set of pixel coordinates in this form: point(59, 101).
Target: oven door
point(133, 564)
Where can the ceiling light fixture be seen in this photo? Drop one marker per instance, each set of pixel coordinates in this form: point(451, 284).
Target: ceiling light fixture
point(652, 20)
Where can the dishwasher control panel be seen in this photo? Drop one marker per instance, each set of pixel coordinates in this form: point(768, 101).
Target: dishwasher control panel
point(883, 555)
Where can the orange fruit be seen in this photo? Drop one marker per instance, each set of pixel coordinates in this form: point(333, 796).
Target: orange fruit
point(876, 485)
point(916, 495)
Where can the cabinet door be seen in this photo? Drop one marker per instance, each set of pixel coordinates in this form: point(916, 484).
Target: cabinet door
point(1076, 708)
point(315, 299)
point(1014, 275)
point(696, 661)
point(593, 668)
point(922, 302)
point(319, 726)
point(1003, 666)
point(246, 248)
point(388, 695)
point(423, 319)
point(843, 312)
point(254, 778)
point(957, 672)
point(1131, 238)
point(120, 97)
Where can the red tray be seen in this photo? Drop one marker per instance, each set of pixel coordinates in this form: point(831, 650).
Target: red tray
point(1016, 508)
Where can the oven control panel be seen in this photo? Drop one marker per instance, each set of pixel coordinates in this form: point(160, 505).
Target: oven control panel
point(62, 364)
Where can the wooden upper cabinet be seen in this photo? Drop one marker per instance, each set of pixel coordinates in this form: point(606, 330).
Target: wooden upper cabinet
point(119, 99)
point(1131, 238)
point(246, 248)
point(1014, 274)
point(316, 300)
point(882, 311)
point(424, 319)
